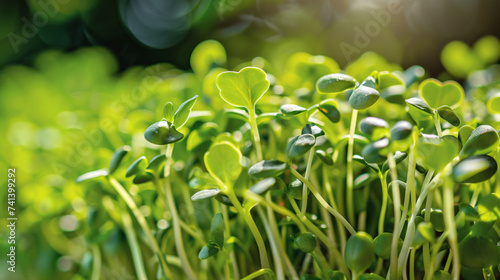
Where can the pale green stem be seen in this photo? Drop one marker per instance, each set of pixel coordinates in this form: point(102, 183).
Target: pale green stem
point(322, 201)
point(426, 247)
point(255, 133)
point(134, 247)
point(449, 221)
point(410, 179)
point(383, 208)
point(448, 262)
point(96, 263)
point(437, 124)
point(280, 275)
point(350, 176)
point(253, 228)
point(179, 243)
point(488, 273)
point(410, 232)
point(329, 191)
point(227, 230)
point(142, 222)
point(429, 272)
point(412, 264)
point(304, 187)
point(260, 272)
point(397, 213)
point(475, 195)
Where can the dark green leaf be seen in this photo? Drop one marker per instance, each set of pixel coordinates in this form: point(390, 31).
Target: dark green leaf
point(365, 95)
point(299, 145)
point(312, 129)
point(437, 219)
point(375, 152)
point(137, 166)
point(335, 83)
point(329, 108)
point(383, 244)
point(162, 133)
point(483, 140)
point(359, 252)
point(204, 194)
point(464, 133)
point(262, 186)
point(155, 164)
point(117, 157)
point(398, 157)
point(324, 157)
point(475, 169)
point(420, 105)
point(441, 275)
point(373, 126)
point(306, 242)
point(292, 109)
point(267, 168)
point(217, 229)
point(401, 130)
point(208, 251)
point(447, 114)
point(370, 276)
point(477, 251)
point(295, 189)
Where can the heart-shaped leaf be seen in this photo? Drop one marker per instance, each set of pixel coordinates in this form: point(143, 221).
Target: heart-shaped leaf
point(359, 252)
point(162, 133)
point(483, 140)
point(335, 83)
point(182, 114)
point(329, 108)
point(243, 88)
point(291, 109)
point(262, 186)
point(267, 168)
point(92, 175)
point(299, 145)
point(204, 194)
point(223, 162)
point(117, 157)
point(306, 242)
point(437, 94)
point(365, 95)
point(475, 169)
point(217, 229)
point(447, 114)
point(435, 152)
point(374, 127)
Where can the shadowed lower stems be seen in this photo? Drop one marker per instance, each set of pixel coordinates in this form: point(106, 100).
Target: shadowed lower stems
point(142, 223)
point(397, 214)
point(179, 243)
point(323, 202)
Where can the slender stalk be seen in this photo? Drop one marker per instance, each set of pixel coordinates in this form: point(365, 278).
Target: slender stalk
point(323, 202)
point(410, 232)
point(260, 272)
point(449, 221)
point(383, 207)
point(253, 228)
point(142, 223)
point(304, 187)
point(280, 275)
point(488, 273)
point(426, 247)
point(475, 195)
point(227, 230)
point(255, 134)
point(134, 247)
point(96, 263)
point(412, 264)
point(397, 213)
point(179, 243)
point(329, 191)
point(350, 176)
point(437, 124)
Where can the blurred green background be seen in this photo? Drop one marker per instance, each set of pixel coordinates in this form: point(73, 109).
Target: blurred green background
point(81, 78)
